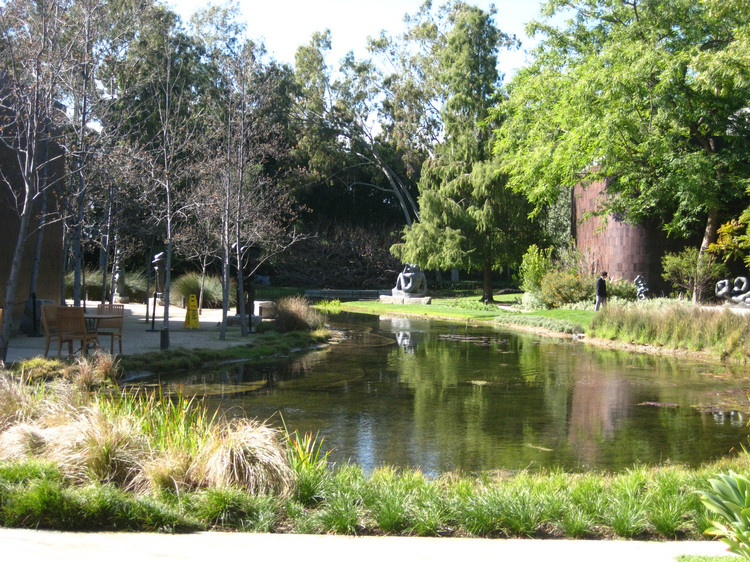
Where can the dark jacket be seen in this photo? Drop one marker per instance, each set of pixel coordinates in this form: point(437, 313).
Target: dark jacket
point(601, 287)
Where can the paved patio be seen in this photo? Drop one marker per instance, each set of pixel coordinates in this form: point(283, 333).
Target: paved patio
point(137, 335)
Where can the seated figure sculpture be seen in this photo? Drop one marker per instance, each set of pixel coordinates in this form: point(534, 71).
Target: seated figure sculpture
point(411, 282)
point(737, 293)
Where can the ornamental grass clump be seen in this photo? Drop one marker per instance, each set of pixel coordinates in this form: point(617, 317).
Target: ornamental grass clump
point(190, 284)
point(95, 371)
point(296, 314)
point(16, 402)
point(230, 508)
point(244, 454)
point(95, 448)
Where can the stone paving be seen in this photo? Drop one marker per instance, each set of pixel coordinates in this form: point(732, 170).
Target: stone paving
point(137, 335)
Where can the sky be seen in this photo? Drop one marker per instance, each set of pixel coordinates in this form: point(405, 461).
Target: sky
point(284, 25)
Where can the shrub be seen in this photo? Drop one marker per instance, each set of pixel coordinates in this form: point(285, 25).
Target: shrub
point(683, 272)
point(532, 301)
point(535, 265)
point(296, 314)
point(564, 287)
point(621, 289)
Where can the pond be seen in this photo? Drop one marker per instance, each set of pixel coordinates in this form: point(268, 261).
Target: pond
point(449, 396)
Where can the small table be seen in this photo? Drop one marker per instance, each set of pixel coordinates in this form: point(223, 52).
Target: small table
point(92, 319)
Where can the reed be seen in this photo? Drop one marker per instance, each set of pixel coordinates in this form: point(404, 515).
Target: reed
point(174, 423)
point(720, 332)
point(308, 460)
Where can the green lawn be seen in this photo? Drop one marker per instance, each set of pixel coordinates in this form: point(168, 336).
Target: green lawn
point(471, 309)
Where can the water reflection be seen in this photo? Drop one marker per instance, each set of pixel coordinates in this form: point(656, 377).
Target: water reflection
point(444, 396)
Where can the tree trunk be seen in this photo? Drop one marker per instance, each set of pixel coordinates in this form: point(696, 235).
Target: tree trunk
point(709, 237)
point(487, 295)
point(203, 286)
point(15, 270)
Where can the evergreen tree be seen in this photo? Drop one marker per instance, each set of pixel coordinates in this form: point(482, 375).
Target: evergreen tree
point(469, 218)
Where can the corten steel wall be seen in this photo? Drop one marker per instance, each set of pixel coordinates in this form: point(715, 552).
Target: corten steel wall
point(51, 260)
point(623, 250)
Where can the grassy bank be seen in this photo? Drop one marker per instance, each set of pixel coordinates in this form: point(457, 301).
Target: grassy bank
point(644, 503)
point(718, 332)
point(661, 324)
point(266, 345)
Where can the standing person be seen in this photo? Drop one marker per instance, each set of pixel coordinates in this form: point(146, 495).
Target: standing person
point(601, 291)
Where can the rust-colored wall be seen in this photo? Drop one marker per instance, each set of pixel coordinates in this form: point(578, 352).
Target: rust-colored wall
point(623, 250)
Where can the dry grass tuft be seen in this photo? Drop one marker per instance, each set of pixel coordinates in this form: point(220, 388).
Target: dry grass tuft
point(99, 369)
point(167, 471)
point(296, 314)
point(17, 402)
point(245, 454)
point(21, 441)
point(93, 448)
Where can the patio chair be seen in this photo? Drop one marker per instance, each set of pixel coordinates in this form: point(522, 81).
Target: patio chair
point(49, 323)
point(111, 327)
point(71, 327)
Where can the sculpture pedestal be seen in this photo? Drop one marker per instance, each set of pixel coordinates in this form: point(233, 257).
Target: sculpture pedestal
point(398, 299)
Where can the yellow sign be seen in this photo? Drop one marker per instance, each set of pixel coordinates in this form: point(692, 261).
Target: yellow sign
point(191, 316)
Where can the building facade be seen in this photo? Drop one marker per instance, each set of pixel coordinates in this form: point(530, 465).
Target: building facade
point(50, 244)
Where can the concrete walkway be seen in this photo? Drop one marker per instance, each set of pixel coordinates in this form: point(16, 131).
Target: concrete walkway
point(47, 546)
point(137, 337)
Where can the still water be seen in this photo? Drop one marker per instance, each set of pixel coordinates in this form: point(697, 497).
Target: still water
point(444, 396)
